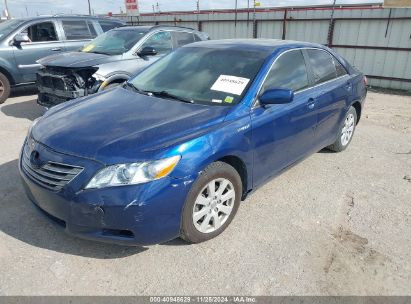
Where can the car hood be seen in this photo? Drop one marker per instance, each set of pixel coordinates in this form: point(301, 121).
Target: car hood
point(76, 60)
point(121, 126)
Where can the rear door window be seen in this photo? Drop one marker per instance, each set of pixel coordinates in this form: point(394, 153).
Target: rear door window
point(322, 65)
point(109, 25)
point(289, 72)
point(183, 38)
point(77, 29)
point(341, 71)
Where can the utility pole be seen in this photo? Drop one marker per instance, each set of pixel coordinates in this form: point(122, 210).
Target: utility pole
point(235, 19)
point(254, 22)
point(89, 7)
point(248, 15)
point(27, 10)
point(198, 15)
point(331, 26)
point(7, 9)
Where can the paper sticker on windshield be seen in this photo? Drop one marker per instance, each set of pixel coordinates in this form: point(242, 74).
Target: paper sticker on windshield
point(216, 100)
point(88, 48)
point(230, 84)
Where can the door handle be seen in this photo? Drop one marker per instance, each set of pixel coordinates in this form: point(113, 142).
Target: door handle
point(348, 86)
point(311, 103)
point(57, 49)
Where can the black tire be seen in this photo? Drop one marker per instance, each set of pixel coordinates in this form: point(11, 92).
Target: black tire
point(339, 145)
point(214, 171)
point(4, 88)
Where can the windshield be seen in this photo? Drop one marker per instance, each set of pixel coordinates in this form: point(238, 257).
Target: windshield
point(202, 75)
point(8, 26)
point(114, 42)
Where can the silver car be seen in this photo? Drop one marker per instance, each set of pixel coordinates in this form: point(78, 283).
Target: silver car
point(107, 61)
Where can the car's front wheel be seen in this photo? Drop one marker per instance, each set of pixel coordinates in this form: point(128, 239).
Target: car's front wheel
point(4, 88)
point(211, 203)
point(346, 131)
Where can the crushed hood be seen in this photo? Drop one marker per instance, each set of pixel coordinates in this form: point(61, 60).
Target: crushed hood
point(121, 126)
point(76, 60)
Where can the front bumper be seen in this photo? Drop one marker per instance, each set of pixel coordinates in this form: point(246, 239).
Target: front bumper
point(130, 215)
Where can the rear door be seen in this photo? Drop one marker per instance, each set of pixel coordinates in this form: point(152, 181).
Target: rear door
point(333, 87)
point(284, 133)
point(77, 32)
point(45, 40)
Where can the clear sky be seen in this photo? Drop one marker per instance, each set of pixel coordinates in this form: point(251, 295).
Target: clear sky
point(18, 7)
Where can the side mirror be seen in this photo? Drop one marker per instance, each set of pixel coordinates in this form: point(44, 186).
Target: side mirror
point(147, 51)
point(276, 96)
point(21, 38)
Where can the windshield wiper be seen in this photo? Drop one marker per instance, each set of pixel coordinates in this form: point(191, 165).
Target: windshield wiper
point(134, 88)
point(166, 94)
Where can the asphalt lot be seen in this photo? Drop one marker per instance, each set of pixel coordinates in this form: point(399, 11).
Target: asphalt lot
point(334, 224)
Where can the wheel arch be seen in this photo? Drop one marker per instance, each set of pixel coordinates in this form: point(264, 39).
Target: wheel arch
point(117, 78)
point(7, 74)
point(358, 108)
point(239, 165)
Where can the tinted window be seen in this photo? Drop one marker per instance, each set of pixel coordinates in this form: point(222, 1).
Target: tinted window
point(203, 75)
point(40, 32)
point(322, 65)
point(161, 42)
point(288, 72)
point(183, 38)
point(76, 29)
point(340, 69)
point(109, 25)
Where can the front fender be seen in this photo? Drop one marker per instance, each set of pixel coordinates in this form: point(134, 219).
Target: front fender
point(233, 139)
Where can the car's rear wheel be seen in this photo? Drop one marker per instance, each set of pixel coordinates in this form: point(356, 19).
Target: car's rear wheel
point(212, 203)
point(346, 131)
point(4, 88)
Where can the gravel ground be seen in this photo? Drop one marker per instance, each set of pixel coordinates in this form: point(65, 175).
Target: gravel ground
point(335, 224)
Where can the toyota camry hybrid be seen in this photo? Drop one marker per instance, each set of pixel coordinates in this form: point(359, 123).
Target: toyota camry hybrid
point(174, 150)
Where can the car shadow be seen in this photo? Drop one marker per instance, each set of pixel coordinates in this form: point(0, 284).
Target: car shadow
point(26, 109)
point(325, 151)
point(19, 219)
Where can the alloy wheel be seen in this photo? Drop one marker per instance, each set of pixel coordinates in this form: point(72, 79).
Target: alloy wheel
point(213, 205)
point(348, 129)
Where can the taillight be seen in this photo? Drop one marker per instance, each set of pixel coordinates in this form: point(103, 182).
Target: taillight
point(365, 81)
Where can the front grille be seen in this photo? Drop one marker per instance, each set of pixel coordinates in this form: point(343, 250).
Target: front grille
point(51, 175)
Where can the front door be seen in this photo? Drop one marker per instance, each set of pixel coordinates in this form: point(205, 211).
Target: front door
point(284, 133)
point(44, 41)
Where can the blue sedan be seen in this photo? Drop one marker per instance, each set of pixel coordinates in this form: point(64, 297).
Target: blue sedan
point(173, 151)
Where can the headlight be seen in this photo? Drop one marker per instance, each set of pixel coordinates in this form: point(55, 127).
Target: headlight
point(135, 173)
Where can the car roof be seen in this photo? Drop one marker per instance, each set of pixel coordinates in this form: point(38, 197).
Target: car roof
point(152, 27)
point(62, 16)
point(259, 45)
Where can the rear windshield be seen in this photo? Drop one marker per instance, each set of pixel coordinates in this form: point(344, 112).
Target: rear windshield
point(114, 42)
point(9, 26)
